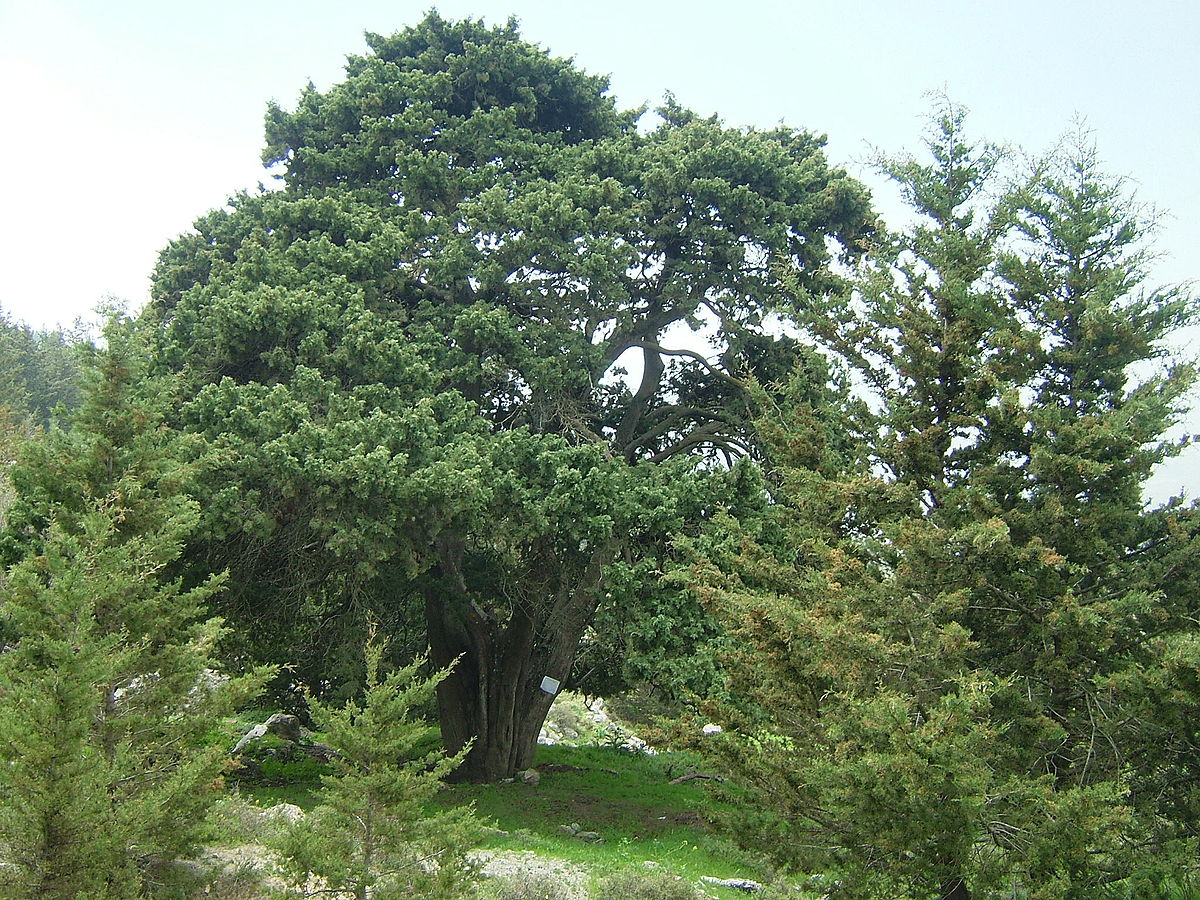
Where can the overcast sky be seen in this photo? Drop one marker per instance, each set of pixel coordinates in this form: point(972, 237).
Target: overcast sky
point(124, 120)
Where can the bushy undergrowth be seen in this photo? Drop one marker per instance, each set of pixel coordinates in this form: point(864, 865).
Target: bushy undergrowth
point(649, 884)
point(526, 886)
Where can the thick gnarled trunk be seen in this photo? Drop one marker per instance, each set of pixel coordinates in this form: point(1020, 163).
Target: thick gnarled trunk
point(493, 699)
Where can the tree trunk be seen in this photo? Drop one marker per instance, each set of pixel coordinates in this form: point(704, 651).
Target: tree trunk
point(955, 889)
point(494, 699)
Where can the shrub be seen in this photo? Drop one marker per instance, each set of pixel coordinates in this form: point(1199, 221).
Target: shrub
point(373, 834)
point(646, 885)
point(527, 886)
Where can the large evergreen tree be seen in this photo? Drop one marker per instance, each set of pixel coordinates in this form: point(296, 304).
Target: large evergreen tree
point(965, 666)
point(406, 363)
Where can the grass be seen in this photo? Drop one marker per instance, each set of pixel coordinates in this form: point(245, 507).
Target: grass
point(627, 798)
point(305, 795)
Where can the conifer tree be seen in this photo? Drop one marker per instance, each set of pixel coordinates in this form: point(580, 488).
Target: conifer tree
point(960, 668)
point(926, 326)
point(373, 834)
point(1090, 590)
point(106, 691)
point(408, 362)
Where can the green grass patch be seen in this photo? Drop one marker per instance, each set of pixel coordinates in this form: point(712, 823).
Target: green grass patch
point(627, 798)
point(306, 796)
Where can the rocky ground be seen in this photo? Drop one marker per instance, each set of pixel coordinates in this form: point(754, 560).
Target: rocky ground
point(243, 872)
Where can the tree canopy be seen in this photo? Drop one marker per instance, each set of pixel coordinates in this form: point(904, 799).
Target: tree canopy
point(408, 362)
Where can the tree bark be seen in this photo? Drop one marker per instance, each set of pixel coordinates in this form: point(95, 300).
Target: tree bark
point(493, 699)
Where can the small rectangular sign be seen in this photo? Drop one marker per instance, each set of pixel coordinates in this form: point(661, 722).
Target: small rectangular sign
point(550, 685)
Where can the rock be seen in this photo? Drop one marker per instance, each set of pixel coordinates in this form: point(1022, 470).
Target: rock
point(573, 720)
point(711, 729)
point(590, 837)
point(320, 752)
point(290, 743)
point(531, 777)
point(568, 830)
point(283, 814)
point(285, 726)
point(738, 884)
point(503, 864)
point(252, 735)
point(243, 870)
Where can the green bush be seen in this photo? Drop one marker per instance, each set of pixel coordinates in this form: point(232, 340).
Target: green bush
point(526, 886)
point(289, 769)
point(374, 833)
point(647, 884)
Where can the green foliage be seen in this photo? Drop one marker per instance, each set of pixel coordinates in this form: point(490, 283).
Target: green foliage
point(373, 835)
point(957, 674)
point(302, 769)
point(106, 690)
point(39, 370)
point(405, 366)
point(15, 431)
point(646, 884)
point(56, 821)
point(526, 886)
point(1152, 887)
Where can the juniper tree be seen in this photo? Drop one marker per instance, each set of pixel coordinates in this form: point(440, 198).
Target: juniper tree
point(965, 635)
point(107, 696)
point(407, 362)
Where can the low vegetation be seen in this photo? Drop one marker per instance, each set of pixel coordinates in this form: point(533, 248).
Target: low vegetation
point(635, 814)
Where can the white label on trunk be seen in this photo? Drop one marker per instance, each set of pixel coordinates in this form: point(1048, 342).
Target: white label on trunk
point(550, 685)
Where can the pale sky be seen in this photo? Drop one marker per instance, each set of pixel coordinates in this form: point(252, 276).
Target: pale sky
point(124, 120)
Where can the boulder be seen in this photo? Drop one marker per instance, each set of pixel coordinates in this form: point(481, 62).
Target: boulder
point(285, 726)
point(282, 814)
point(250, 736)
point(289, 742)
